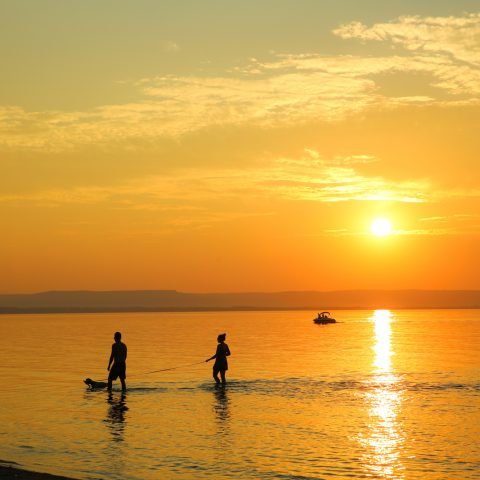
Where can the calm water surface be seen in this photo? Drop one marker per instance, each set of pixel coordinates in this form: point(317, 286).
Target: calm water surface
point(392, 395)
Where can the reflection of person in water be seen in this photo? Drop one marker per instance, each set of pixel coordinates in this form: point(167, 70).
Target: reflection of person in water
point(221, 409)
point(221, 364)
point(116, 415)
point(221, 404)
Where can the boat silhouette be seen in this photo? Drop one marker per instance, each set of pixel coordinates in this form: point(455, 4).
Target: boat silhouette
point(324, 318)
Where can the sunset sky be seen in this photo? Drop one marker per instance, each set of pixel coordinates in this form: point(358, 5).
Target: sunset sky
point(239, 145)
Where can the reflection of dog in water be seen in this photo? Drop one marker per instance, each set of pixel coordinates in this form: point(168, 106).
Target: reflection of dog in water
point(93, 384)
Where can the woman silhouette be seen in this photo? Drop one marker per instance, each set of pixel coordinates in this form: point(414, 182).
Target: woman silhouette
point(221, 364)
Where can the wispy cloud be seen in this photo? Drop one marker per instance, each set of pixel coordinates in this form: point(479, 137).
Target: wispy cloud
point(458, 37)
point(285, 91)
point(197, 199)
point(446, 47)
point(454, 224)
point(309, 178)
point(175, 106)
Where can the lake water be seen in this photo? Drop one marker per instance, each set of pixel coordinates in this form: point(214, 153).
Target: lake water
point(383, 394)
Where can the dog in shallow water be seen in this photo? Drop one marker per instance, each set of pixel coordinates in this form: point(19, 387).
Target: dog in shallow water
point(93, 384)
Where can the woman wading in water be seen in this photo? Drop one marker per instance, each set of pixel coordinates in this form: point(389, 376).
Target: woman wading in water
point(221, 364)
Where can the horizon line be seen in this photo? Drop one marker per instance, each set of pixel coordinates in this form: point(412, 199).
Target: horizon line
point(40, 292)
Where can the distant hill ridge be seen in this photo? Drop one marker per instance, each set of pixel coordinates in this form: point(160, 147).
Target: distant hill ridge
point(172, 300)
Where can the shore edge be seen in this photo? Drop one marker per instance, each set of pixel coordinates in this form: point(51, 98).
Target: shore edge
point(14, 472)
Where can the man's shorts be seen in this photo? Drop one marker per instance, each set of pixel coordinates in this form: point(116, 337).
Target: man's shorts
point(118, 370)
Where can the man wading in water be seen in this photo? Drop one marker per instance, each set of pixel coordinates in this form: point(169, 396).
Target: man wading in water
point(221, 364)
point(118, 357)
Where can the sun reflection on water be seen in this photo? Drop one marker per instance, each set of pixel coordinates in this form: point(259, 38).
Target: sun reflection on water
point(382, 347)
point(384, 440)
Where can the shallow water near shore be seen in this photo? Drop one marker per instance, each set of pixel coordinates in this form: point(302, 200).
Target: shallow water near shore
point(382, 394)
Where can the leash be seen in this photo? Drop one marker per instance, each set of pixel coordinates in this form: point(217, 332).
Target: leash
point(164, 369)
point(174, 368)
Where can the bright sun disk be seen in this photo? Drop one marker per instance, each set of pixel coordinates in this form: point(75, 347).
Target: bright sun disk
point(381, 227)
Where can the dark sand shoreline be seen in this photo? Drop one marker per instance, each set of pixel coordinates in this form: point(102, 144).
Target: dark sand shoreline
point(11, 470)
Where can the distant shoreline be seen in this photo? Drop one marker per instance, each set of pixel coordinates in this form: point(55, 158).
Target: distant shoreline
point(139, 301)
point(39, 311)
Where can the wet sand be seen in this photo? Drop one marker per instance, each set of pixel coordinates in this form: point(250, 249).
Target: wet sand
point(13, 472)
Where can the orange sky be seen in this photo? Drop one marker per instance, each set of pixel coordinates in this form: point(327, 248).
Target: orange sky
point(205, 148)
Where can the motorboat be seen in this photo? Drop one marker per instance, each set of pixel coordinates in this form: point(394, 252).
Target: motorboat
point(323, 318)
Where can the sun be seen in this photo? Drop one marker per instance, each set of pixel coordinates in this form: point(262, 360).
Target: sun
point(381, 227)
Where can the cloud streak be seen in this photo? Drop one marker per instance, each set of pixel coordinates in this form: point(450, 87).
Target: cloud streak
point(309, 178)
point(286, 91)
point(458, 37)
point(198, 199)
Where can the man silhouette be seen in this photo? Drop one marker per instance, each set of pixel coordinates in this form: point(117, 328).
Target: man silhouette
point(118, 357)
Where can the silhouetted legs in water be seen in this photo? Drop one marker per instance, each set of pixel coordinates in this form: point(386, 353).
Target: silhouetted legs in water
point(222, 374)
point(122, 381)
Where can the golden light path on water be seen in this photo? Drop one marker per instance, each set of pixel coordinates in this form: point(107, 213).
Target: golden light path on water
point(384, 440)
